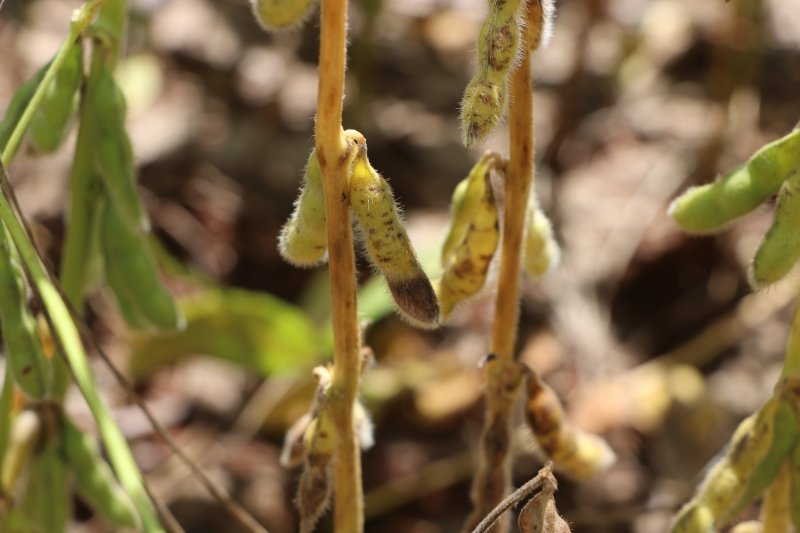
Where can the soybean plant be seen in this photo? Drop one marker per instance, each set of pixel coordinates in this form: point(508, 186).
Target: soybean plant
point(103, 194)
point(509, 33)
point(762, 455)
point(339, 183)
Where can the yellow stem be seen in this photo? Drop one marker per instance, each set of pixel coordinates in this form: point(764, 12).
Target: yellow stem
point(519, 179)
point(348, 498)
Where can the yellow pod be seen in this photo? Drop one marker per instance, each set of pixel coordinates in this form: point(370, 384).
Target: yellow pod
point(22, 440)
point(573, 451)
point(726, 481)
point(750, 526)
point(780, 248)
point(775, 515)
point(465, 273)
point(276, 15)
point(542, 253)
point(466, 198)
point(388, 245)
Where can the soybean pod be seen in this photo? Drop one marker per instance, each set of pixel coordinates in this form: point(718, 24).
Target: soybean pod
point(484, 101)
point(17, 106)
point(132, 274)
point(468, 264)
point(726, 481)
point(276, 15)
point(709, 207)
point(113, 152)
point(303, 240)
point(388, 245)
point(30, 368)
point(23, 439)
point(53, 117)
point(94, 480)
point(466, 200)
point(780, 248)
point(542, 252)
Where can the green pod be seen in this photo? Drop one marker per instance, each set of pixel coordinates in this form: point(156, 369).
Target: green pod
point(46, 502)
point(53, 117)
point(709, 207)
point(132, 274)
point(484, 101)
point(113, 153)
point(28, 364)
point(94, 480)
point(17, 106)
point(276, 15)
point(303, 241)
point(780, 248)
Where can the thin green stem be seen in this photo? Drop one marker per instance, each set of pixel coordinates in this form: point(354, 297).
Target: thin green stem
point(80, 21)
point(69, 341)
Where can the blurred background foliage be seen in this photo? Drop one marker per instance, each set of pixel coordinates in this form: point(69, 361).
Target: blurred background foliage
point(650, 335)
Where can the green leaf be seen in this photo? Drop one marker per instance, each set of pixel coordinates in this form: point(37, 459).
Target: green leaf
point(257, 331)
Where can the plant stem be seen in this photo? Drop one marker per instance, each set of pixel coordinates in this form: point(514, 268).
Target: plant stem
point(348, 498)
point(518, 183)
point(69, 342)
point(80, 21)
point(502, 374)
point(519, 495)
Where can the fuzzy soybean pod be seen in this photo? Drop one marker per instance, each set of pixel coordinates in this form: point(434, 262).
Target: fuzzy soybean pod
point(113, 154)
point(276, 15)
point(94, 479)
point(466, 198)
point(780, 249)
point(573, 451)
point(708, 208)
point(132, 274)
point(542, 252)
point(17, 106)
point(484, 101)
point(53, 117)
point(303, 240)
point(388, 245)
point(465, 274)
point(28, 364)
point(726, 481)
